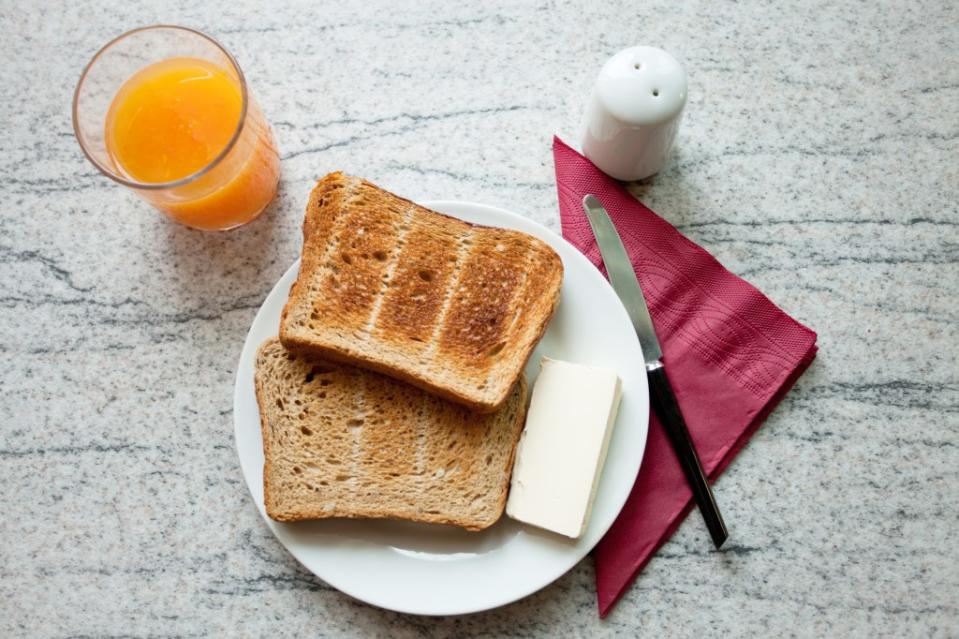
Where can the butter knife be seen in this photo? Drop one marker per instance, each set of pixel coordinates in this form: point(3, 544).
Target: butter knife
point(624, 282)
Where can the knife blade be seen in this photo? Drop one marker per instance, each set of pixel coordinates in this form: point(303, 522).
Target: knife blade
point(623, 279)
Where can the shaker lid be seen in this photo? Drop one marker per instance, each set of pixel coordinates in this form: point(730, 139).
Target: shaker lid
point(642, 85)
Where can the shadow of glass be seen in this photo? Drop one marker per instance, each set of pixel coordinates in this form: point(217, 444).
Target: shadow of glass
point(227, 267)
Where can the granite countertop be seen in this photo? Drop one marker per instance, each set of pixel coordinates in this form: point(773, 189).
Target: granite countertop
point(817, 159)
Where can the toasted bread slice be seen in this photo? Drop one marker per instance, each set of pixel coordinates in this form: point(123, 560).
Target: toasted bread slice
point(340, 441)
point(385, 284)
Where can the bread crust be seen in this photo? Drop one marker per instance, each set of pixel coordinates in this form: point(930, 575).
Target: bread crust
point(488, 301)
point(275, 378)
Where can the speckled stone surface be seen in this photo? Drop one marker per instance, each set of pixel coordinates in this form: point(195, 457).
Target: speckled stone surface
point(818, 159)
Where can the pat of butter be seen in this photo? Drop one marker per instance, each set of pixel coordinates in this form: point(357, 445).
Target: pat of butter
point(563, 447)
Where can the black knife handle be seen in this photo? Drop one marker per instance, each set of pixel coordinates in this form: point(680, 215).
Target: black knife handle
point(664, 403)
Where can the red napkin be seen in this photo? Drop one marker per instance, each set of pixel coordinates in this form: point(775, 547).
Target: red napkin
point(730, 353)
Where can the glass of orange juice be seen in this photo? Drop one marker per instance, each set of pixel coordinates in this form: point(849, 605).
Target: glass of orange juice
point(165, 111)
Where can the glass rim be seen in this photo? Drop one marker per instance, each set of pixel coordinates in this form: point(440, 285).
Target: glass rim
point(158, 186)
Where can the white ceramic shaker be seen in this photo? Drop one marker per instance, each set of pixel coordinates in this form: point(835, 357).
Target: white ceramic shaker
point(634, 113)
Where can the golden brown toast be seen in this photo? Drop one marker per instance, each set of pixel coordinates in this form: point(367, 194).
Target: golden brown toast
point(385, 284)
point(339, 441)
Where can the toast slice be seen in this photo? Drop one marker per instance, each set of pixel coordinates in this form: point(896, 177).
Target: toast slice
point(339, 441)
point(385, 284)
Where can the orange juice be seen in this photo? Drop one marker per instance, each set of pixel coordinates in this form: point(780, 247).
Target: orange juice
point(174, 120)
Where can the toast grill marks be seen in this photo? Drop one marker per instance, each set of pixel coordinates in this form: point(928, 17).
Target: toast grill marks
point(537, 285)
point(422, 438)
point(457, 473)
point(355, 428)
point(460, 247)
point(338, 196)
point(402, 291)
point(415, 304)
point(305, 391)
point(402, 230)
point(360, 262)
point(522, 292)
point(475, 326)
point(381, 437)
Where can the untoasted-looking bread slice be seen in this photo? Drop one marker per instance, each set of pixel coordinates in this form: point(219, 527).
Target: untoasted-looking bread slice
point(388, 285)
point(340, 441)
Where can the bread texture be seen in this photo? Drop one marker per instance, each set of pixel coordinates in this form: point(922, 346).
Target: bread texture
point(340, 441)
point(385, 284)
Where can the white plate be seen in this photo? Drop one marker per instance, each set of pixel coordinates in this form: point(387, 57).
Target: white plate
point(442, 570)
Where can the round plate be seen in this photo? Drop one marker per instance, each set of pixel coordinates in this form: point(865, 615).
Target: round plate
point(443, 570)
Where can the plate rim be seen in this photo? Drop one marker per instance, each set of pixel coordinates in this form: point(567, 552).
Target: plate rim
point(239, 391)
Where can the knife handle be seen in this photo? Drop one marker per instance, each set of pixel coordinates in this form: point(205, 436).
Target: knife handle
point(667, 409)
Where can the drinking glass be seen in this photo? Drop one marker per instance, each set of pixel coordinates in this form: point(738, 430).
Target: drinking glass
point(235, 186)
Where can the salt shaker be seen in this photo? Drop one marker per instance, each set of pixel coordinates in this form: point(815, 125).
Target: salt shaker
point(634, 113)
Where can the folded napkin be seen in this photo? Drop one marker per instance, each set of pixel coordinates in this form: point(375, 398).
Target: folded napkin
point(731, 355)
